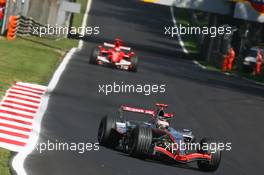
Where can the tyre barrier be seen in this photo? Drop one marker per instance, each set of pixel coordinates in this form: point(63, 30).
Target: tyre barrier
point(24, 26)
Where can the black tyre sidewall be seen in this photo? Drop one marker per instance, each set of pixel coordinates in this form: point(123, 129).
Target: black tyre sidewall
point(140, 142)
point(95, 53)
point(134, 64)
point(213, 164)
point(109, 137)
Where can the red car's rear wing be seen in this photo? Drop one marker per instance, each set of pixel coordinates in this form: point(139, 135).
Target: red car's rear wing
point(122, 47)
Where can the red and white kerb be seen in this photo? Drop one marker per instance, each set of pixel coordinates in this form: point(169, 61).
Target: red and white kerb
point(18, 108)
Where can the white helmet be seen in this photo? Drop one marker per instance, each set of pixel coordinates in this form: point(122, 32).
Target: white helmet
point(162, 123)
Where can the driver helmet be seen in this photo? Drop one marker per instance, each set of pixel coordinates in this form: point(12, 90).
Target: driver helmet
point(161, 122)
point(118, 44)
point(117, 49)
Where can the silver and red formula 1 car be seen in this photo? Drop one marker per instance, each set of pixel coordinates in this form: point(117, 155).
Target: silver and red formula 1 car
point(155, 138)
point(115, 55)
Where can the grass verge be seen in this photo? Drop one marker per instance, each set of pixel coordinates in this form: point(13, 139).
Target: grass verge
point(77, 18)
point(183, 18)
point(4, 157)
point(257, 79)
point(31, 59)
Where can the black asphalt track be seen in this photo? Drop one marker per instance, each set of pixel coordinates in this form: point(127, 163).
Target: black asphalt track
point(211, 104)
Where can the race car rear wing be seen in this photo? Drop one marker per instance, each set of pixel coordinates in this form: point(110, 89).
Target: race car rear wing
point(122, 47)
point(144, 111)
point(138, 110)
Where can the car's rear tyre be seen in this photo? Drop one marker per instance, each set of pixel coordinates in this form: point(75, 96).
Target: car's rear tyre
point(140, 141)
point(134, 64)
point(95, 53)
point(107, 135)
point(212, 150)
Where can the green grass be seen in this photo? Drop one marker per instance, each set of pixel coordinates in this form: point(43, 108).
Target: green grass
point(259, 79)
point(4, 157)
point(210, 67)
point(31, 59)
point(182, 16)
point(190, 41)
point(78, 18)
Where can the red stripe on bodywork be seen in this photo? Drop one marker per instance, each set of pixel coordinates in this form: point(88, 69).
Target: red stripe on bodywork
point(164, 151)
point(198, 156)
point(183, 158)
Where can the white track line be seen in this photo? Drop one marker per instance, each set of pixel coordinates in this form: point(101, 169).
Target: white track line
point(84, 22)
point(198, 64)
point(19, 159)
point(178, 35)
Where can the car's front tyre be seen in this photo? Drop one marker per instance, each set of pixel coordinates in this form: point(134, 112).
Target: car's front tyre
point(211, 149)
point(95, 53)
point(134, 64)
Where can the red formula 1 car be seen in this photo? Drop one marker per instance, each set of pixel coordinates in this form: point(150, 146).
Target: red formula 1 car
point(115, 55)
point(155, 138)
